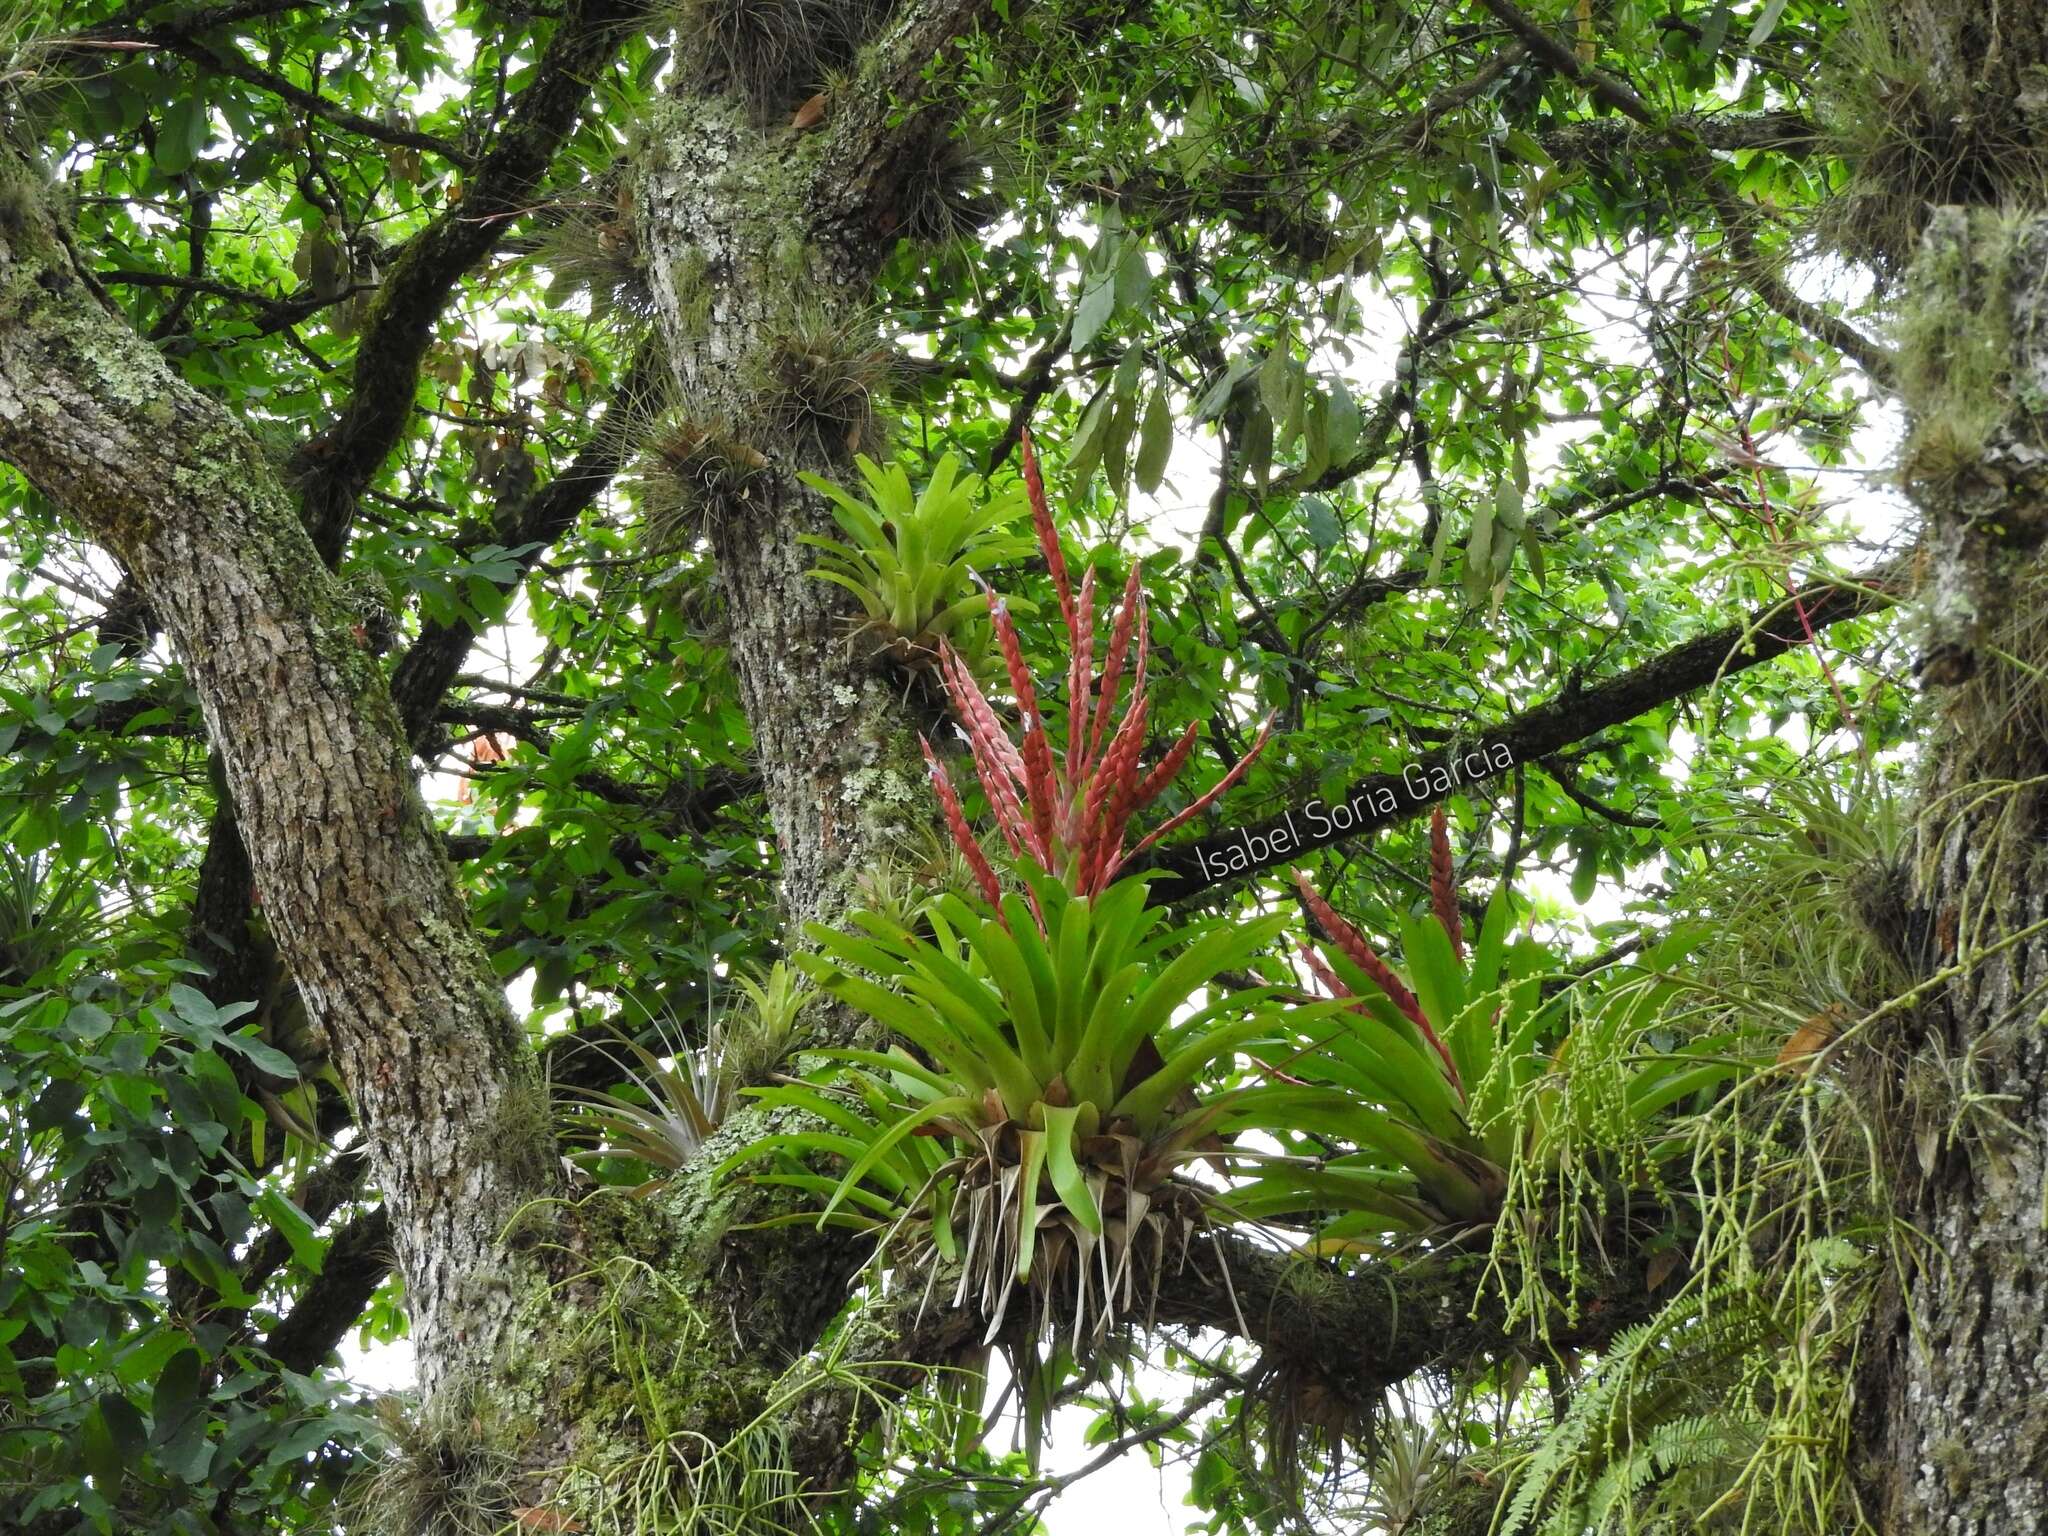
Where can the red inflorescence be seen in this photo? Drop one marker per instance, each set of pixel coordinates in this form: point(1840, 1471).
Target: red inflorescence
point(1070, 818)
point(1443, 883)
point(1352, 944)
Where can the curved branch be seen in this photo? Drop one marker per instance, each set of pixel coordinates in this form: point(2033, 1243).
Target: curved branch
point(220, 59)
point(335, 467)
point(1386, 798)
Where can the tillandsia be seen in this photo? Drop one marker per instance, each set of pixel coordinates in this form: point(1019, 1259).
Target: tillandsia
point(1031, 1124)
point(1067, 813)
point(1462, 1081)
point(912, 560)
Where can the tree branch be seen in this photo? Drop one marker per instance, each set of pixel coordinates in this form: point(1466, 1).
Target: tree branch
point(885, 114)
point(1739, 222)
point(358, 1259)
point(1604, 88)
point(334, 468)
point(430, 664)
point(1386, 798)
point(218, 58)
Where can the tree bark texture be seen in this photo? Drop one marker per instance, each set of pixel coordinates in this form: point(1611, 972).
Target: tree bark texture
point(345, 861)
point(1951, 1414)
point(763, 244)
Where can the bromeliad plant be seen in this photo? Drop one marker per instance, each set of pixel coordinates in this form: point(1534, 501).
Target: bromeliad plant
point(1453, 1083)
point(912, 561)
point(665, 1105)
point(1031, 1120)
point(1067, 815)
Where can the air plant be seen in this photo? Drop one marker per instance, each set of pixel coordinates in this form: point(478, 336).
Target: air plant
point(668, 1104)
point(1034, 1116)
point(1447, 1081)
point(1032, 1122)
point(676, 1102)
point(912, 559)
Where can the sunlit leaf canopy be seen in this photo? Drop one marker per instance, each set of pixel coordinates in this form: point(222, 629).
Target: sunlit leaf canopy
point(1435, 373)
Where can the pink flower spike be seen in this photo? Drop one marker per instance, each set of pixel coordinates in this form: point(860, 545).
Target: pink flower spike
point(956, 823)
point(996, 762)
point(1025, 691)
point(1079, 675)
point(1113, 664)
point(1116, 776)
point(1237, 771)
point(1319, 968)
point(1038, 788)
point(977, 716)
point(1361, 954)
point(1048, 536)
point(1166, 770)
point(1443, 883)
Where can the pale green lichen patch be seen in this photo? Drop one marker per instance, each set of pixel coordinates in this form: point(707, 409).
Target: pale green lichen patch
point(1955, 346)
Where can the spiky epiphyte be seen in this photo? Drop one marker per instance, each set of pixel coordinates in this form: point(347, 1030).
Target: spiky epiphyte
point(912, 559)
point(593, 250)
point(668, 1103)
point(446, 1472)
point(1067, 815)
point(1466, 1079)
point(950, 185)
point(1030, 1126)
point(685, 465)
point(820, 374)
point(774, 54)
point(1915, 136)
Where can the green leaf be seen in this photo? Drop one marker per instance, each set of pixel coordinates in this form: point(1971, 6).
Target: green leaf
point(1066, 1174)
point(186, 127)
point(1155, 442)
point(882, 1144)
point(1586, 873)
point(1320, 523)
point(1279, 379)
point(87, 1022)
point(1098, 303)
point(1031, 1161)
point(1133, 277)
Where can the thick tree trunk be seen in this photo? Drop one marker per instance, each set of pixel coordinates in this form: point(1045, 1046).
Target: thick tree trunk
point(754, 308)
point(1951, 1412)
point(763, 244)
point(345, 861)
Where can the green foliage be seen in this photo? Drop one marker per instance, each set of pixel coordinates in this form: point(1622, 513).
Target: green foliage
point(1731, 1405)
point(120, 1113)
point(912, 560)
point(666, 1108)
point(668, 1104)
point(1645, 1438)
point(45, 912)
point(1214, 226)
point(1046, 1111)
point(1477, 1085)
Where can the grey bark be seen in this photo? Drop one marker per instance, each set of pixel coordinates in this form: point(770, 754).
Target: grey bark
point(1952, 1420)
point(344, 857)
point(763, 247)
